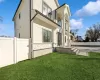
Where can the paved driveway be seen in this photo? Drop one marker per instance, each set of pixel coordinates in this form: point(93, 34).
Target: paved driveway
point(89, 49)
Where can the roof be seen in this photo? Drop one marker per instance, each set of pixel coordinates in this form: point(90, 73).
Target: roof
point(64, 5)
point(20, 4)
point(17, 9)
point(61, 6)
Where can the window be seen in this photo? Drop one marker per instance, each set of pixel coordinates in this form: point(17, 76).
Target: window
point(47, 36)
point(19, 16)
point(19, 35)
point(65, 26)
point(47, 10)
point(65, 39)
point(60, 22)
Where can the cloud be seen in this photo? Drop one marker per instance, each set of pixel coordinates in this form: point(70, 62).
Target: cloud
point(76, 24)
point(92, 8)
point(1, 1)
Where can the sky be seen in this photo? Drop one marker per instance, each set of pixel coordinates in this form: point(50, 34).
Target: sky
point(84, 13)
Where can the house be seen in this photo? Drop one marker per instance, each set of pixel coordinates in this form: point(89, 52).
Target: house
point(45, 23)
point(80, 39)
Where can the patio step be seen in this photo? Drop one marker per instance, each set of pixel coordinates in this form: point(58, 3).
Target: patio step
point(71, 50)
point(82, 53)
point(74, 50)
point(79, 52)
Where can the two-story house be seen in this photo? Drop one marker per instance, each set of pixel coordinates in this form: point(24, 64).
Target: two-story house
point(45, 23)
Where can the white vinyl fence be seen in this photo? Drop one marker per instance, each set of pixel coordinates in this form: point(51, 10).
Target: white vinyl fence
point(86, 44)
point(13, 50)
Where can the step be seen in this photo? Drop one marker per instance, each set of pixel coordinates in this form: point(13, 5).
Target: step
point(78, 51)
point(82, 53)
point(75, 50)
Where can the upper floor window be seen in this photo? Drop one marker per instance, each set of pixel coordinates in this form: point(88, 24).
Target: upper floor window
point(65, 26)
point(47, 10)
point(60, 22)
point(19, 15)
point(65, 39)
point(19, 35)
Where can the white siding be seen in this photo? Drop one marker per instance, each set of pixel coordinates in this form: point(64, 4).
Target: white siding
point(37, 4)
point(22, 24)
point(37, 31)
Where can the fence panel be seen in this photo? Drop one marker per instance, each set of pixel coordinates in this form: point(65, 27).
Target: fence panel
point(6, 52)
point(22, 49)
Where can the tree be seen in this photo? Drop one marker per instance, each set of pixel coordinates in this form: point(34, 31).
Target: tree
point(93, 32)
point(74, 32)
point(87, 39)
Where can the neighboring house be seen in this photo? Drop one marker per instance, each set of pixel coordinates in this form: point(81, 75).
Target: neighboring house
point(45, 23)
point(79, 39)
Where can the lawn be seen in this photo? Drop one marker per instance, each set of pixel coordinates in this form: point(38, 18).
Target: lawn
point(55, 66)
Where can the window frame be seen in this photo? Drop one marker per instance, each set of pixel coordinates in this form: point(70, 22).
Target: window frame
point(65, 39)
point(65, 26)
point(48, 7)
point(47, 38)
point(59, 21)
point(19, 35)
point(19, 15)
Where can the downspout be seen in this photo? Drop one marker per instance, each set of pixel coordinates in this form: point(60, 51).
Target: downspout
point(30, 32)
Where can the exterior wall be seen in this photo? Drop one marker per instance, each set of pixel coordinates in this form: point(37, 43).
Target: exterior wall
point(41, 52)
point(38, 25)
point(37, 4)
point(67, 27)
point(55, 38)
point(39, 47)
point(22, 25)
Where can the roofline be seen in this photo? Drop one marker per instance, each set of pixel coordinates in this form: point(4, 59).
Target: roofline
point(64, 5)
point(37, 12)
point(61, 6)
point(20, 4)
point(17, 9)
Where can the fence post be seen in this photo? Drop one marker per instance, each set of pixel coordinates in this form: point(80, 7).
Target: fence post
point(15, 50)
point(30, 49)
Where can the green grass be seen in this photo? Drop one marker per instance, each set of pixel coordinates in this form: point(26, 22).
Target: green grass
point(55, 67)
